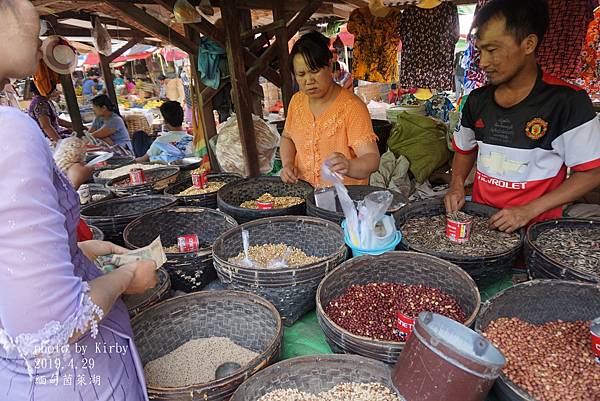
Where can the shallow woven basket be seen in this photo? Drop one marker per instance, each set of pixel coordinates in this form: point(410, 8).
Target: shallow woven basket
point(543, 266)
point(111, 216)
point(231, 196)
point(392, 267)
point(538, 302)
point(157, 180)
point(97, 234)
point(189, 271)
point(139, 302)
point(248, 320)
point(205, 200)
point(485, 270)
point(314, 374)
point(137, 122)
point(357, 193)
point(291, 290)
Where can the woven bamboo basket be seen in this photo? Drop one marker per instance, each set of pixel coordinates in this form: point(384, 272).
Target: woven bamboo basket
point(204, 200)
point(356, 193)
point(291, 290)
point(157, 180)
point(99, 193)
point(484, 270)
point(248, 320)
point(140, 302)
point(543, 266)
point(189, 271)
point(538, 302)
point(392, 267)
point(314, 374)
point(113, 215)
point(103, 181)
point(137, 122)
point(231, 196)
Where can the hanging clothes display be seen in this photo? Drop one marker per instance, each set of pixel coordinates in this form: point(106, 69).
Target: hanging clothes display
point(376, 42)
point(429, 37)
point(474, 76)
point(559, 53)
point(589, 78)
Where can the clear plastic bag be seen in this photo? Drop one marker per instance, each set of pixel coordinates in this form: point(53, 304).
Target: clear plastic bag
point(185, 13)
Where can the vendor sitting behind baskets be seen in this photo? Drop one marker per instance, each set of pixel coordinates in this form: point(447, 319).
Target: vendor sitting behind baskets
point(325, 123)
point(108, 124)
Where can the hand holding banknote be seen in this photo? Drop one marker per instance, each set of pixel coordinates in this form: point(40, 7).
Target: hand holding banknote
point(153, 252)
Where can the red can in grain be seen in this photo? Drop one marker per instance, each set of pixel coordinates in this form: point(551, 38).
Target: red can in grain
point(265, 205)
point(188, 243)
point(136, 176)
point(101, 164)
point(199, 179)
point(458, 231)
point(404, 326)
point(595, 330)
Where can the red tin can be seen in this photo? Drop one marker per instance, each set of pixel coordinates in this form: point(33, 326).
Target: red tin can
point(595, 330)
point(101, 164)
point(266, 205)
point(136, 176)
point(199, 180)
point(404, 326)
point(458, 231)
point(188, 243)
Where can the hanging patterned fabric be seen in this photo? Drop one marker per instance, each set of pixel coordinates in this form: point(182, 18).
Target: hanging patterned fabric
point(429, 37)
point(376, 43)
point(589, 78)
point(559, 54)
point(474, 76)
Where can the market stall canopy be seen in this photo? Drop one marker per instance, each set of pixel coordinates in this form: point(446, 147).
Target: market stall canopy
point(137, 52)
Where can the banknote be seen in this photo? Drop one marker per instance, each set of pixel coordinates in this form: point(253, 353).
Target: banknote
point(154, 252)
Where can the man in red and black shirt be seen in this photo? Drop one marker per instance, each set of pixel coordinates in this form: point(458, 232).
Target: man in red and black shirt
point(526, 128)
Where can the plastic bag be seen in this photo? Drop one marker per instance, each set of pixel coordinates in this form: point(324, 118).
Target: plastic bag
point(168, 153)
point(101, 39)
point(393, 174)
point(372, 210)
point(345, 201)
point(185, 13)
point(69, 151)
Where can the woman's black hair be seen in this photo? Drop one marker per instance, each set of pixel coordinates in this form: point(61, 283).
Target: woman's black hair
point(34, 89)
point(104, 101)
point(314, 48)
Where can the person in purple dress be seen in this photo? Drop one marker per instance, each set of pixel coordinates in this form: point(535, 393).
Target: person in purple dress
point(42, 110)
point(64, 332)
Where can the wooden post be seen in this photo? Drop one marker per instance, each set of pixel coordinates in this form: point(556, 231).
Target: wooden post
point(241, 92)
point(69, 91)
point(108, 78)
point(282, 39)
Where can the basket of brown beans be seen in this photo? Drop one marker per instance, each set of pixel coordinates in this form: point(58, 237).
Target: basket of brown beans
point(287, 257)
point(202, 346)
point(356, 193)
point(153, 182)
point(188, 234)
point(136, 303)
point(260, 197)
point(189, 195)
point(320, 378)
point(487, 256)
point(543, 328)
point(565, 249)
point(367, 305)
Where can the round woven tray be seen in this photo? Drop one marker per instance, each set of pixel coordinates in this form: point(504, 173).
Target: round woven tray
point(189, 271)
point(484, 270)
point(357, 193)
point(97, 234)
point(393, 267)
point(543, 266)
point(538, 302)
point(314, 374)
point(139, 302)
point(111, 216)
point(248, 320)
point(204, 200)
point(231, 196)
point(157, 180)
point(292, 290)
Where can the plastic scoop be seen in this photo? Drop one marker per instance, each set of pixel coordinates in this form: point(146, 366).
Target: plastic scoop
point(246, 243)
point(226, 369)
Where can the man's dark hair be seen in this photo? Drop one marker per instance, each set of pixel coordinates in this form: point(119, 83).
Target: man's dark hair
point(523, 17)
point(314, 47)
point(172, 112)
point(161, 77)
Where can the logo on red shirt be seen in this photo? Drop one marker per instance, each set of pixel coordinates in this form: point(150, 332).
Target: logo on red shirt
point(479, 124)
point(536, 128)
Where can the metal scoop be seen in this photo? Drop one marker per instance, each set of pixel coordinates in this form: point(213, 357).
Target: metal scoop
point(226, 369)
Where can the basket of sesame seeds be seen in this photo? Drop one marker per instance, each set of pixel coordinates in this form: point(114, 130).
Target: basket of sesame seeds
point(358, 303)
point(183, 341)
point(240, 199)
point(320, 378)
point(565, 249)
point(190, 269)
point(487, 256)
point(187, 195)
point(288, 257)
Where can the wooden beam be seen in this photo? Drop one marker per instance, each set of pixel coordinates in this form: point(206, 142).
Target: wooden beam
point(161, 31)
point(357, 3)
point(269, 28)
point(71, 98)
point(241, 90)
point(281, 42)
point(123, 49)
point(108, 78)
point(65, 30)
point(85, 16)
point(303, 16)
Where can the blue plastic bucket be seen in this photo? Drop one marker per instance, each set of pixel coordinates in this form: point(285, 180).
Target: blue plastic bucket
point(356, 251)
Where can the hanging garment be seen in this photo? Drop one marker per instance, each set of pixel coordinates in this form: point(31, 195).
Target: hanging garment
point(209, 55)
point(429, 37)
point(474, 76)
point(376, 42)
point(589, 78)
point(559, 53)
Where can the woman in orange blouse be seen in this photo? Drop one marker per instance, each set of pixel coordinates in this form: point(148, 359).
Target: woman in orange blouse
point(325, 122)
